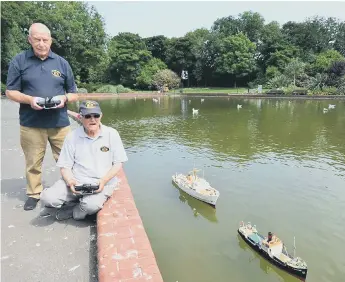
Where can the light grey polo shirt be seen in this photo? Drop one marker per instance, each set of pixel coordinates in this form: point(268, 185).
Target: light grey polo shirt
point(91, 158)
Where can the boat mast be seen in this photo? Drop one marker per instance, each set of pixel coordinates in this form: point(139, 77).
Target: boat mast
point(294, 247)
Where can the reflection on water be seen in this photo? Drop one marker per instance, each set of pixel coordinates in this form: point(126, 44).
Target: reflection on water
point(267, 267)
point(198, 208)
point(277, 163)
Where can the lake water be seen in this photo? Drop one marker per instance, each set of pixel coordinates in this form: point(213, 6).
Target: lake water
point(279, 164)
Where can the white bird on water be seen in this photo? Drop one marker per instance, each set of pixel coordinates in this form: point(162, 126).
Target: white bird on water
point(202, 100)
point(195, 111)
point(239, 106)
point(330, 106)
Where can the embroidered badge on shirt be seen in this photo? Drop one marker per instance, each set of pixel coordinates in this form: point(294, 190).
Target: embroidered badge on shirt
point(56, 73)
point(90, 104)
point(104, 149)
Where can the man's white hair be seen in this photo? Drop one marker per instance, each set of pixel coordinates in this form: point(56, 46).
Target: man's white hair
point(39, 27)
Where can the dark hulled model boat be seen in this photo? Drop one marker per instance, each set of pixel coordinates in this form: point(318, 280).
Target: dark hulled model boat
point(274, 250)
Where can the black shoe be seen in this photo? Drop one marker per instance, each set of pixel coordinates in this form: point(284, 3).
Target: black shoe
point(64, 213)
point(30, 203)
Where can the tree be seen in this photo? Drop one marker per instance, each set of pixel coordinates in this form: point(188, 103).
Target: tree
point(145, 78)
point(227, 26)
point(179, 54)
point(248, 23)
point(293, 69)
point(157, 45)
point(236, 56)
point(339, 42)
point(198, 39)
point(282, 56)
point(77, 31)
point(325, 60)
point(251, 24)
point(128, 54)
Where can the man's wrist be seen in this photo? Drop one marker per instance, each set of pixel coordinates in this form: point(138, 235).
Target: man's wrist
point(66, 100)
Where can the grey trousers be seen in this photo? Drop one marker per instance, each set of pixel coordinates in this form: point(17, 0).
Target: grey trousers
point(59, 194)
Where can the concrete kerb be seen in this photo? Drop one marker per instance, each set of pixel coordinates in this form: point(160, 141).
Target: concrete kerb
point(124, 250)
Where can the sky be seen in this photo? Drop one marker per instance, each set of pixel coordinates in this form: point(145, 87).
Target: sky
point(176, 18)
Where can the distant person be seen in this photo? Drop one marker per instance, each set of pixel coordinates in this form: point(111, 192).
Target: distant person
point(91, 154)
point(38, 72)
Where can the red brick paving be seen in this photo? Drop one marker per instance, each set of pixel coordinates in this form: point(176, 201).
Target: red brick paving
point(124, 250)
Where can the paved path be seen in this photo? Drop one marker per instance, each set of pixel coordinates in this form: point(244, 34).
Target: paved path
point(37, 249)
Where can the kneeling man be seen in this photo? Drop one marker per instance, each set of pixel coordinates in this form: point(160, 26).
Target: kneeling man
point(91, 154)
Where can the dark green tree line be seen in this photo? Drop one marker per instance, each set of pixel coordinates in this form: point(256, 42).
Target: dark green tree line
point(237, 50)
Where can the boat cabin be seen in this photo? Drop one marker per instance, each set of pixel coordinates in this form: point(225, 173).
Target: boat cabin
point(272, 244)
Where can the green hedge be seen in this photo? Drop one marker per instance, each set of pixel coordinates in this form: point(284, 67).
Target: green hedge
point(3, 87)
point(101, 88)
point(113, 89)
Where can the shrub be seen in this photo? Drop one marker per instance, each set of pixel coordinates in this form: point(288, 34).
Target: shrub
point(121, 89)
point(113, 89)
point(3, 88)
point(341, 87)
point(278, 81)
point(82, 90)
point(90, 87)
point(166, 78)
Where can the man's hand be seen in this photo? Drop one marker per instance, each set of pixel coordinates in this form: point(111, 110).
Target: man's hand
point(33, 104)
point(101, 186)
point(63, 99)
point(72, 183)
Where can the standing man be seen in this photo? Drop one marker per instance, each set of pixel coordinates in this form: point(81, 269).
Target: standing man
point(38, 72)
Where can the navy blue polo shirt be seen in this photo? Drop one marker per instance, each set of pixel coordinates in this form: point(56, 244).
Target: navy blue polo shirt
point(41, 78)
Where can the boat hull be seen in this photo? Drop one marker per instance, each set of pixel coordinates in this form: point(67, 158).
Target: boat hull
point(211, 200)
point(299, 273)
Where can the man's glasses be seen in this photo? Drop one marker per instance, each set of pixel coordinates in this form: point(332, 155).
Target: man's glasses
point(89, 116)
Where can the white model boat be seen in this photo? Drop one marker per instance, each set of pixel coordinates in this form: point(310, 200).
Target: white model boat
point(197, 187)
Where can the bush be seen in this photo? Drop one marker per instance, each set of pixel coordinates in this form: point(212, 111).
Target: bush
point(3, 88)
point(121, 89)
point(166, 78)
point(144, 79)
point(114, 89)
point(325, 91)
point(278, 81)
point(341, 87)
point(275, 92)
point(271, 72)
point(295, 90)
point(82, 90)
point(90, 87)
point(318, 82)
point(330, 90)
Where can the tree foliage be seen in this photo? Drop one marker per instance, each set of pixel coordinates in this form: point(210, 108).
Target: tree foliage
point(145, 78)
point(237, 50)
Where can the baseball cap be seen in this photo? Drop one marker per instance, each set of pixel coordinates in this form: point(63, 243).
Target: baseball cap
point(89, 107)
